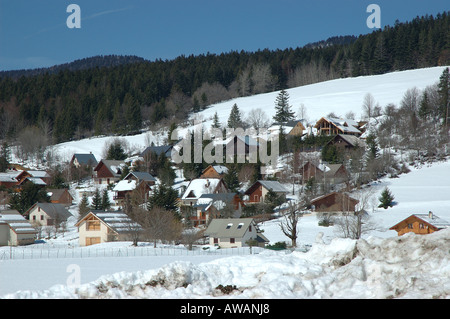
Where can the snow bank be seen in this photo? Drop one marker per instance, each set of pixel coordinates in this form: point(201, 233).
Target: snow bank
point(410, 266)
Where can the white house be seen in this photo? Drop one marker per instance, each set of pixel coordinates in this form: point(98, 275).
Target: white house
point(15, 230)
point(234, 232)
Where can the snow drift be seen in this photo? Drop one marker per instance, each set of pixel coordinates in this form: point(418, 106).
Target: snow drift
point(410, 266)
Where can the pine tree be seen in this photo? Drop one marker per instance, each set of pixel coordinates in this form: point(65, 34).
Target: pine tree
point(231, 179)
point(216, 122)
point(165, 197)
point(5, 156)
point(97, 200)
point(106, 204)
point(83, 207)
point(284, 111)
point(386, 199)
point(235, 118)
point(444, 98)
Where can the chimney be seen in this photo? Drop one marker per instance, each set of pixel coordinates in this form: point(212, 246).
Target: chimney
point(430, 214)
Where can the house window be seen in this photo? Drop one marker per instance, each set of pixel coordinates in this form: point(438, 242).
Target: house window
point(229, 226)
point(250, 228)
point(34, 217)
point(232, 241)
point(92, 225)
point(421, 226)
point(240, 226)
point(42, 217)
point(256, 198)
point(410, 226)
point(216, 240)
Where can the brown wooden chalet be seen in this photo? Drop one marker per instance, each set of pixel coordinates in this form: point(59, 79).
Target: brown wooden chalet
point(334, 202)
point(346, 142)
point(60, 196)
point(258, 191)
point(329, 173)
point(335, 126)
point(108, 171)
point(420, 224)
point(214, 171)
point(134, 181)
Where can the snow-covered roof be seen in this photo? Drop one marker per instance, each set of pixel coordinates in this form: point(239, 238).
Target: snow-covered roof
point(198, 187)
point(433, 220)
point(16, 221)
point(118, 220)
point(274, 186)
point(125, 185)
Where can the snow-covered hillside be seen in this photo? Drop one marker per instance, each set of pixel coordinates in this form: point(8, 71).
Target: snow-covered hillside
point(337, 96)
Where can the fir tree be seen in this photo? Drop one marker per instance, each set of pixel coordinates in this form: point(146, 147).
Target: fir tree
point(165, 197)
point(216, 122)
point(235, 118)
point(386, 199)
point(444, 98)
point(97, 200)
point(106, 204)
point(83, 207)
point(231, 179)
point(284, 111)
point(4, 157)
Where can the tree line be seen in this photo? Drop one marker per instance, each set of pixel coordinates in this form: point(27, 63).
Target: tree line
point(124, 98)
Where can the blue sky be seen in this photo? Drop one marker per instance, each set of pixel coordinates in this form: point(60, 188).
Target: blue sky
point(34, 33)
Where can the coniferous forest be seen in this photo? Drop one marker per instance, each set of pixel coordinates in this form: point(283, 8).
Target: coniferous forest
point(104, 95)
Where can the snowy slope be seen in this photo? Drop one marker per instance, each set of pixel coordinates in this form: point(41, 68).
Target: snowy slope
point(338, 96)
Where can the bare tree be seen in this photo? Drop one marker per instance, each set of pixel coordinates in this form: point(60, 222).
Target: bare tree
point(289, 222)
point(257, 118)
point(262, 79)
point(354, 224)
point(368, 106)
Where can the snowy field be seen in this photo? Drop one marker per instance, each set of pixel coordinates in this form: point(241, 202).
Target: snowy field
point(381, 265)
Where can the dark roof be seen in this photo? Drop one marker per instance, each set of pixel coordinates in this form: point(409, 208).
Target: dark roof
point(166, 149)
point(142, 176)
point(86, 159)
point(53, 210)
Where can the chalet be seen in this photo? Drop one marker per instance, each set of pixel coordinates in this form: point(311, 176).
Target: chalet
point(234, 232)
point(10, 180)
point(108, 171)
point(43, 175)
point(47, 214)
point(334, 126)
point(79, 160)
point(200, 186)
point(141, 181)
point(347, 142)
point(214, 171)
point(60, 196)
point(101, 227)
point(211, 206)
point(258, 191)
point(420, 224)
point(15, 230)
point(334, 202)
point(329, 173)
point(292, 128)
